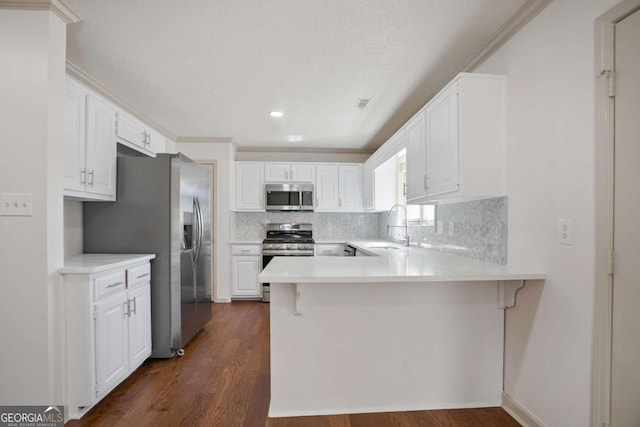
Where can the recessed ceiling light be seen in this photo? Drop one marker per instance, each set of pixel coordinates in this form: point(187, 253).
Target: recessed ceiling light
point(276, 114)
point(294, 138)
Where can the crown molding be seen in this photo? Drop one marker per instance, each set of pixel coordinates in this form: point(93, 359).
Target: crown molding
point(82, 76)
point(522, 17)
point(305, 150)
point(58, 7)
point(204, 140)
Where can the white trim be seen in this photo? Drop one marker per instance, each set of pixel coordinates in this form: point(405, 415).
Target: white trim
point(58, 7)
point(519, 412)
point(191, 139)
point(604, 139)
point(93, 84)
point(378, 409)
point(303, 150)
point(522, 17)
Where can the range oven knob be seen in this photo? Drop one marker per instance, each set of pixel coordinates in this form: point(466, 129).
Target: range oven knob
point(287, 246)
point(267, 246)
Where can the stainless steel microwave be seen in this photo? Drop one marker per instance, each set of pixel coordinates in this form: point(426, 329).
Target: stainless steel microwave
point(289, 197)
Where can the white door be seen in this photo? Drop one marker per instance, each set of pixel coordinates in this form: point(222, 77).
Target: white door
point(111, 343)
point(350, 188)
point(101, 147)
point(139, 325)
point(74, 136)
point(245, 275)
point(416, 158)
point(276, 172)
point(327, 188)
point(625, 375)
point(303, 173)
point(250, 186)
point(442, 144)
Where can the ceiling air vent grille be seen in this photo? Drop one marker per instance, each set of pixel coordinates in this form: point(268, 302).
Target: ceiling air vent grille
point(362, 103)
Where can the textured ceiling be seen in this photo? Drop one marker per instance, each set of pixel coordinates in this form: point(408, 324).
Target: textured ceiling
point(216, 68)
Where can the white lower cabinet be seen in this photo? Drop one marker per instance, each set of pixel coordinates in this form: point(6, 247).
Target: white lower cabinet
point(246, 263)
point(108, 325)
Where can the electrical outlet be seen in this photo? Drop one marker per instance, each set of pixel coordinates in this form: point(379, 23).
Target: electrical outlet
point(451, 228)
point(14, 204)
point(440, 227)
point(565, 231)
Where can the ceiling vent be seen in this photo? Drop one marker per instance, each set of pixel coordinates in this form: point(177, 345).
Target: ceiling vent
point(362, 103)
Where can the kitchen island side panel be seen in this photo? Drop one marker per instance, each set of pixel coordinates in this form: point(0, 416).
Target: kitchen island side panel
point(374, 347)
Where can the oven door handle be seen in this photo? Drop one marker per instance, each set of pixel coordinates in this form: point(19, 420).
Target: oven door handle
point(293, 252)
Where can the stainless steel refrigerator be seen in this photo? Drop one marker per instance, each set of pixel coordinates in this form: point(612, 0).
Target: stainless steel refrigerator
point(163, 207)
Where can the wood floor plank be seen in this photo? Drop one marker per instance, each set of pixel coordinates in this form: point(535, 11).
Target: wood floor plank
point(224, 380)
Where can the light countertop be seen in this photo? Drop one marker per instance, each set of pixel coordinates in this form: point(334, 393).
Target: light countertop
point(412, 264)
point(94, 263)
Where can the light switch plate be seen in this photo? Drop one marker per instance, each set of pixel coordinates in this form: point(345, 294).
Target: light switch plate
point(16, 204)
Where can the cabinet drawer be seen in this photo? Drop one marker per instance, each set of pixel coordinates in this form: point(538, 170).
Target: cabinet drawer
point(246, 250)
point(109, 284)
point(138, 275)
point(329, 250)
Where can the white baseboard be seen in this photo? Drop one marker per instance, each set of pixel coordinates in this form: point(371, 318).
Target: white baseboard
point(222, 300)
point(519, 412)
point(370, 410)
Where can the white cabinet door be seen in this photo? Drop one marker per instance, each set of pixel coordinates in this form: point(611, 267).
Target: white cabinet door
point(245, 270)
point(368, 184)
point(74, 116)
point(156, 142)
point(303, 173)
point(442, 144)
point(101, 147)
point(350, 188)
point(276, 172)
point(139, 325)
point(130, 130)
point(111, 343)
point(327, 188)
point(249, 186)
point(416, 157)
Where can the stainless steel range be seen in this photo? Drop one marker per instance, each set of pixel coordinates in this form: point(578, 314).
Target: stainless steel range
point(286, 240)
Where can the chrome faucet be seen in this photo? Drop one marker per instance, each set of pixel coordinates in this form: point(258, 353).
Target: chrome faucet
point(406, 223)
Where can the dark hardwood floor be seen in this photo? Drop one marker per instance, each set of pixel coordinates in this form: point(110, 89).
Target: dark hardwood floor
point(223, 380)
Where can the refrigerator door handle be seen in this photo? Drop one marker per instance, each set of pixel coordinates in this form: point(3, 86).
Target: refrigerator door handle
point(200, 232)
point(196, 233)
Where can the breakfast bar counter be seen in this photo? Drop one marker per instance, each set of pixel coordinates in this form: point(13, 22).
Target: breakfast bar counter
point(402, 329)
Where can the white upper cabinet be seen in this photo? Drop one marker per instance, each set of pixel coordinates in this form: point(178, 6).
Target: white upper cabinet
point(276, 172)
point(249, 186)
point(326, 190)
point(89, 144)
point(136, 135)
point(101, 148)
point(416, 159)
point(294, 173)
point(74, 136)
point(368, 184)
point(350, 188)
point(338, 188)
point(455, 145)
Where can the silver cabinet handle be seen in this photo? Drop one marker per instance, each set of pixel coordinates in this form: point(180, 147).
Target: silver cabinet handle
point(142, 275)
point(426, 182)
point(113, 285)
point(134, 306)
point(91, 176)
point(245, 251)
point(83, 176)
point(127, 313)
point(144, 137)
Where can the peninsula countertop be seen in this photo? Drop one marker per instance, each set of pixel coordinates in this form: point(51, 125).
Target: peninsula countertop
point(391, 262)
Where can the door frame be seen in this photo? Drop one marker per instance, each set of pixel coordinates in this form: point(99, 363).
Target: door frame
point(604, 151)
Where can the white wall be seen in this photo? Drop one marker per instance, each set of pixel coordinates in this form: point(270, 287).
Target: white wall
point(550, 175)
point(223, 154)
point(31, 84)
point(73, 224)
